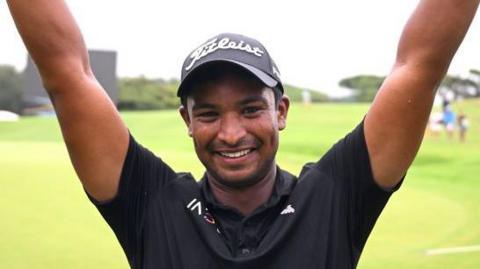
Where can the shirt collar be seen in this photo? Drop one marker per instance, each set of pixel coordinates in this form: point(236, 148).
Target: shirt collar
point(284, 183)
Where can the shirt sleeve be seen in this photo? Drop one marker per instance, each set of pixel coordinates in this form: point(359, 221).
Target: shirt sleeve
point(143, 176)
point(348, 163)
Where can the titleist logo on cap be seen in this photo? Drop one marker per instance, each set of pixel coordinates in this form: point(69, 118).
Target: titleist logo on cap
point(224, 43)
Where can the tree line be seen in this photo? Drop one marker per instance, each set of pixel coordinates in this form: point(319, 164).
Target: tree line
point(134, 93)
point(365, 87)
point(11, 85)
point(141, 93)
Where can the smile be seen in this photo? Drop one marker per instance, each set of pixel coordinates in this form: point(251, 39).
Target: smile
point(237, 154)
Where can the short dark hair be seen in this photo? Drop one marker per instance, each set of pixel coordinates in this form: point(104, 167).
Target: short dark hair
point(216, 71)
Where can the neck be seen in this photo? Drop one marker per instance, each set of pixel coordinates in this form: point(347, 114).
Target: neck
point(245, 200)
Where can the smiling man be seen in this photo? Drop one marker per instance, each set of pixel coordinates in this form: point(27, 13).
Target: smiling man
point(245, 212)
point(233, 105)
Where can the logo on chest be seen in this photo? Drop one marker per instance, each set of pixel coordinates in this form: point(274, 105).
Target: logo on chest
point(195, 206)
point(288, 210)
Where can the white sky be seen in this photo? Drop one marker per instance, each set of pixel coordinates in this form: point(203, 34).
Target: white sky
point(314, 43)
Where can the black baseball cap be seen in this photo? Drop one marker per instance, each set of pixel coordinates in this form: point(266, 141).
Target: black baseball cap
point(240, 50)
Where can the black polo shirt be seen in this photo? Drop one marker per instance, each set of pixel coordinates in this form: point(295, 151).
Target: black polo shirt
point(165, 219)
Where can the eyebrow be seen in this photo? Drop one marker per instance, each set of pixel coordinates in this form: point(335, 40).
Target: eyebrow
point(248, 100)
point(197, 106)
point(252, 99)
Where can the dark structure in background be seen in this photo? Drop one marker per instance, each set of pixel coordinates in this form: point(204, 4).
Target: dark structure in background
point(35, 97)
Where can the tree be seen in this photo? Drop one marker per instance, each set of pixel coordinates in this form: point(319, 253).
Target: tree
point(475, 75)
point(365, 86)
point(460, 87)
point(141, 93)
point(11, 85)
point(475, 72)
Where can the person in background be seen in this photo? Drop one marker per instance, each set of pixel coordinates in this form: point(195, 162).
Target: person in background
point(435, 124)
point(449, 121)
point(463, 125)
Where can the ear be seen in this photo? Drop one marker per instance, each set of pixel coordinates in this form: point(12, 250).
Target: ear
point(186, 118)
point(282, 112)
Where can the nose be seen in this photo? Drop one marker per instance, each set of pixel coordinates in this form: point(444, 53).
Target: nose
point(231, 130)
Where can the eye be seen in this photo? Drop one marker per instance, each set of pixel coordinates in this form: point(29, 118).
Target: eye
point(207, 116)
point(251, 110)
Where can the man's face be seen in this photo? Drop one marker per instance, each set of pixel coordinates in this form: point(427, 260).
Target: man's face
point(234, 124)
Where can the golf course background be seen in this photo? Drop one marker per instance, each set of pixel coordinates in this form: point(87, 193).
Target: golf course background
point(47, 221)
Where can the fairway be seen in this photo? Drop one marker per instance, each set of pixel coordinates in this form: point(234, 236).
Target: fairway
point(48, 222)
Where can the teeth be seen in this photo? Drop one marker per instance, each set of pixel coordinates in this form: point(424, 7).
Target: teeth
point(235, 154)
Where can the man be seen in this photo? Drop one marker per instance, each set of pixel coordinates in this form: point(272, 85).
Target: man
point(246, 212)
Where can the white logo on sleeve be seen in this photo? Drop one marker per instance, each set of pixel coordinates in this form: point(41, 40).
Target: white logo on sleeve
point(194, 204)
point(288, 210)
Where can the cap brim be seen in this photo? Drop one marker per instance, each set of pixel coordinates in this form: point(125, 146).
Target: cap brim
point(262, 76)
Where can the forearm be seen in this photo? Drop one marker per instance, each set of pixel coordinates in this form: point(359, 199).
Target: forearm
point(52, 38)
point(395, 123)
point(434, 33)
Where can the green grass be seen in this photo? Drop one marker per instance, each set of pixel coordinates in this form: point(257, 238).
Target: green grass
point(47, 222)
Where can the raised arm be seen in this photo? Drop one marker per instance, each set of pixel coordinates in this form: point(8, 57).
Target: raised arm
point(395, 123)
point(93, 131)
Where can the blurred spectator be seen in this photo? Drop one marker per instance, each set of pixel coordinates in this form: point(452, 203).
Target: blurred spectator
point(449, 120)
point(306, 97)
point(445, 104)
point(435, 123)
point(462, 126)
